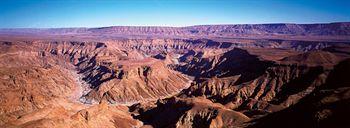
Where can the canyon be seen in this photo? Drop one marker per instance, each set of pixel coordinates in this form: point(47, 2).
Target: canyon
point(245, 75)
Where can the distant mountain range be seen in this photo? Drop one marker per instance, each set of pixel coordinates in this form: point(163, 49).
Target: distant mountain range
point(339, 30)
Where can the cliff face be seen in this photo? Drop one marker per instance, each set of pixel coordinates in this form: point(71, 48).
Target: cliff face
point(230, 30)
point(28, 82)
point(238, 30)
point(112, 74)
point(326, 106)
point(194, 82)
point(39, 79)
point(140, 83)
point(255, 85)
point(230, 63)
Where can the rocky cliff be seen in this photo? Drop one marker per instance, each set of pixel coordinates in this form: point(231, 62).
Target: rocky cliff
point(71, 81)
point(235, 30)
point(326, 106)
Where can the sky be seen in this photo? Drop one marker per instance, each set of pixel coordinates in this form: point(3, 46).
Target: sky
point(102, 13)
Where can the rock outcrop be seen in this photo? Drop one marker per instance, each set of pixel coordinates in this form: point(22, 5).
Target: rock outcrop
point(196, 76)
point(191, 113)
point(276, 86)
point(63, 114)
point(326, 106)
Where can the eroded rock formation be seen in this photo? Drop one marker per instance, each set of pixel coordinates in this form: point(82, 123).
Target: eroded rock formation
point(196, 76)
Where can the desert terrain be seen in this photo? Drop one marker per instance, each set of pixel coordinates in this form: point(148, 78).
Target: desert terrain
point(204, 76)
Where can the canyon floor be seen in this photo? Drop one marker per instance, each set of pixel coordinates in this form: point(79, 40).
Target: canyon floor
point(217, 76)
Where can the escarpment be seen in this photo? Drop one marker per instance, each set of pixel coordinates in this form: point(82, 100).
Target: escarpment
point(326, 106)
point(330, 31)
point(277, 85)
point(166, 82)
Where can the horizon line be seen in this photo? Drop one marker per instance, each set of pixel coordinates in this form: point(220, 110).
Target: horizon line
point(177, 26)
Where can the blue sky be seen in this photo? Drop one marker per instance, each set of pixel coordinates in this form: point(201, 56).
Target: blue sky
point(98, 13)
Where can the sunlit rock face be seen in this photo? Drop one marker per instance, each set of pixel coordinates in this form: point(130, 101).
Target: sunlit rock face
point(173, 77)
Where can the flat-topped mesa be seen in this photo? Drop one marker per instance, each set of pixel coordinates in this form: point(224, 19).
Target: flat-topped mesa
point(340, 30)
